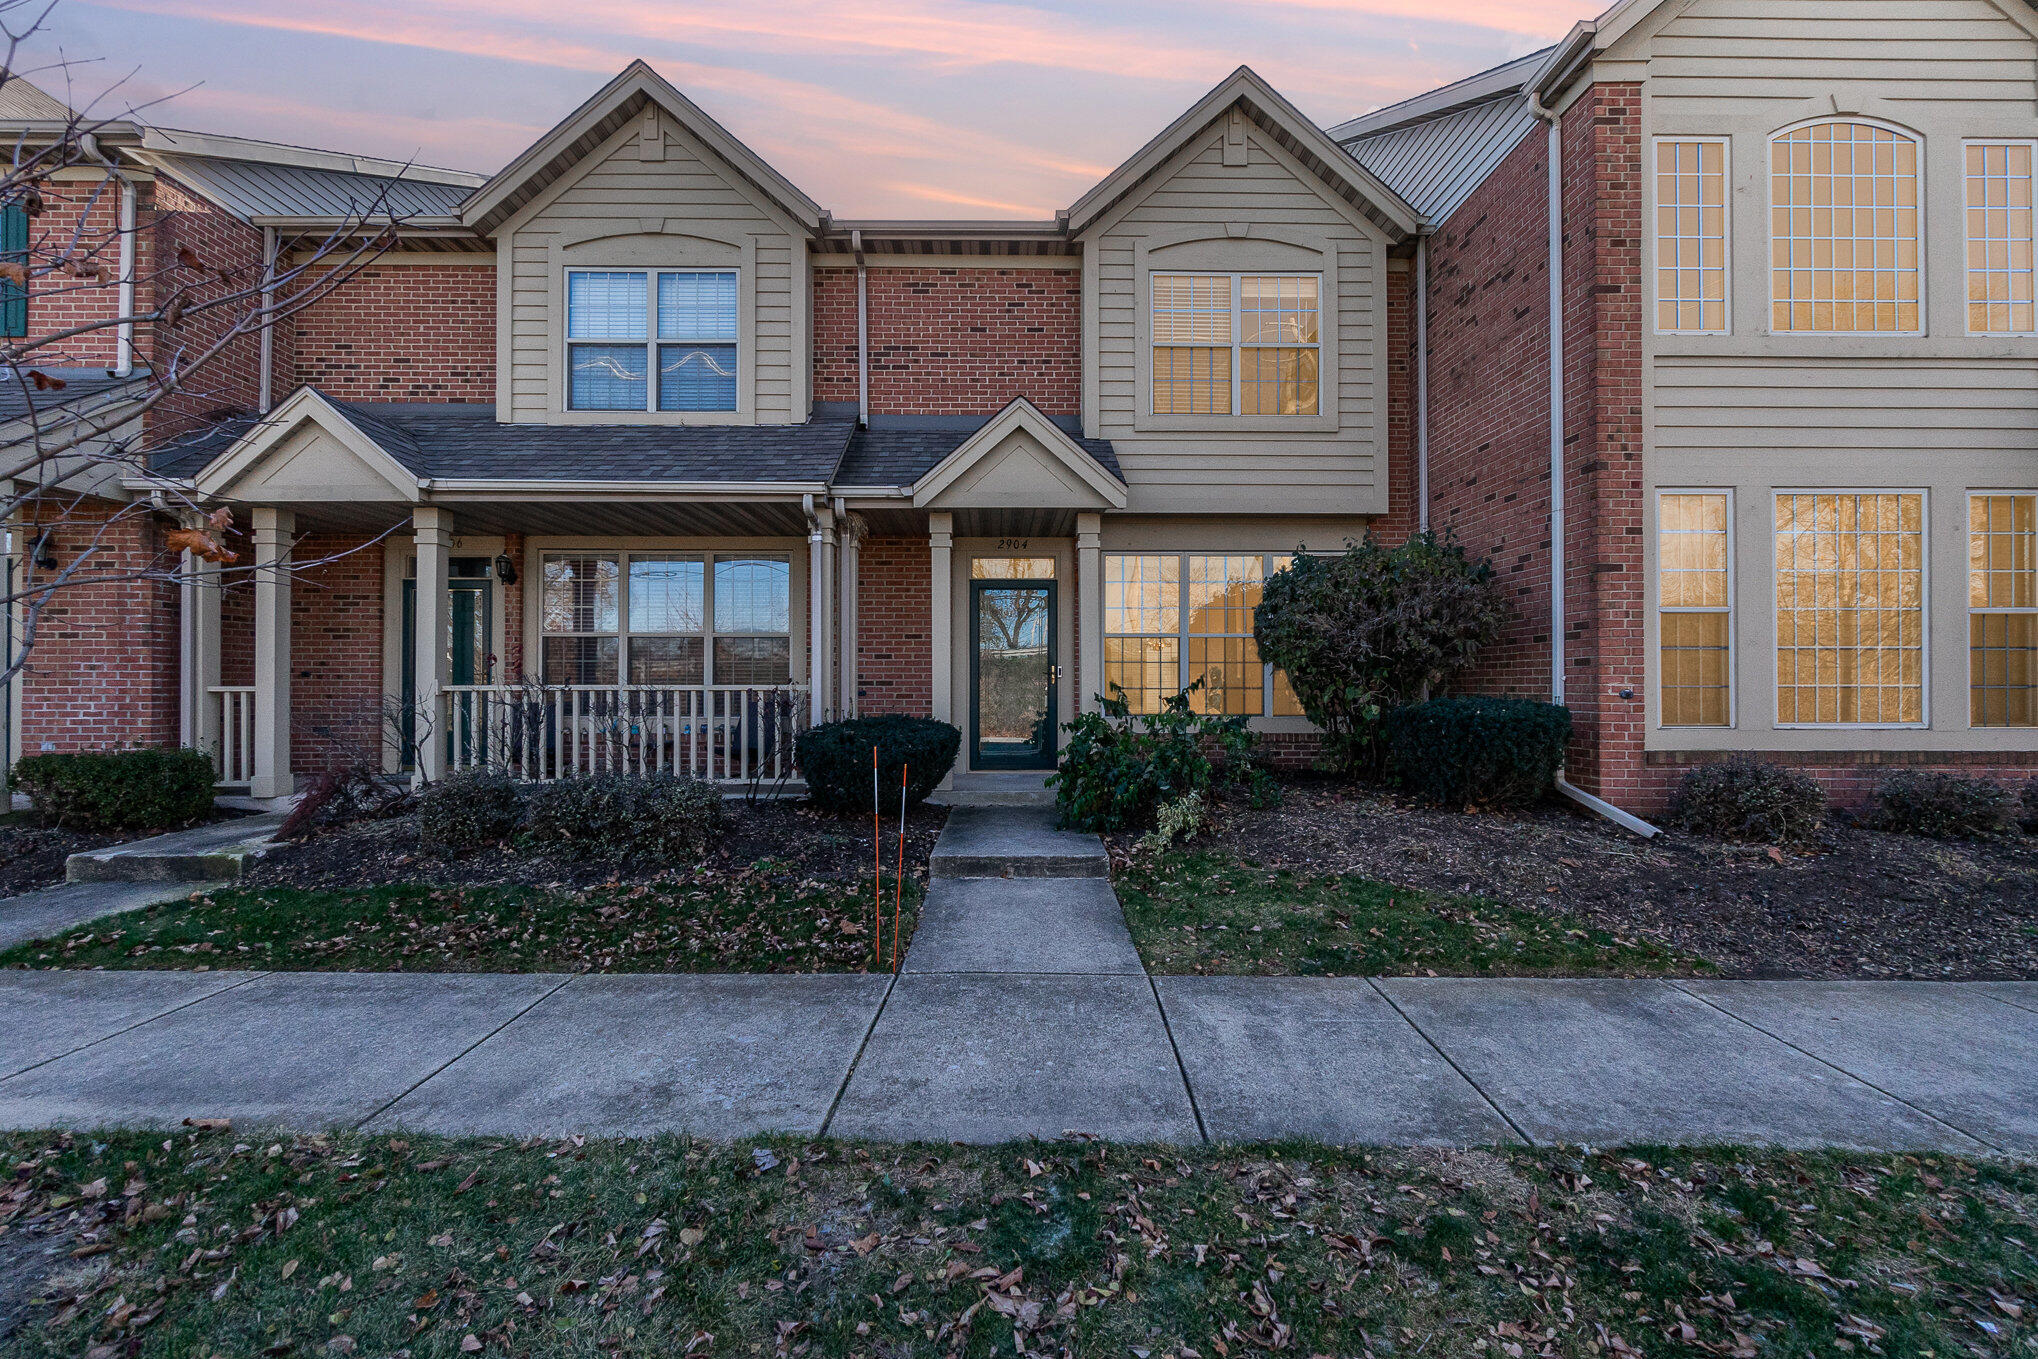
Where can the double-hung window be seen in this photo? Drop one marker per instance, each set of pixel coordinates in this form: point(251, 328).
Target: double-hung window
point(665, 618)
point(1174, 619)
point(1245, 344)
point(1999, 239)
point(624, 325)
point(1844, 229)
point(2002, 609)
point(1694, 575)
point(1850, 608)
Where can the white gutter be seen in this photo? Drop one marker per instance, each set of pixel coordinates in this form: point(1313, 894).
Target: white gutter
point(268, 339)
point(1626, 820)
point(1422, 382)
point(862, 332)
point(726, 490)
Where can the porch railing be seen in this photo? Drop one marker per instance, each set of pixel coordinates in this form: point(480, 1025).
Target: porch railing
point(234, 709)
point(725, 733)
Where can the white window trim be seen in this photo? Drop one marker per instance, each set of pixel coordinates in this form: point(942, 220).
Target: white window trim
point(650, 343)
point(1238, 346)
point(1965, 239)
point(1973, 495)
point(622, 633)
point(1924, 608)
point(1182, 633)
point(1726, 146)
point(1731, 610)
point(1924, 262)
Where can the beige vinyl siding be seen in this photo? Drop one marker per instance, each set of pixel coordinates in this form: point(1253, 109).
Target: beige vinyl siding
point(618, 194)
point(1267, 215)
point(1841, 409)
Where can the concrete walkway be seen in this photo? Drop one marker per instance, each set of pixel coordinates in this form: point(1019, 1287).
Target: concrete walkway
point(51, 911)
point(1022, 1011)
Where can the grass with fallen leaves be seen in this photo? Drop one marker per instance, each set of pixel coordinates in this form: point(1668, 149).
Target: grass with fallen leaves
point(1197, 911)
point(138, 1244)
point(752, 922)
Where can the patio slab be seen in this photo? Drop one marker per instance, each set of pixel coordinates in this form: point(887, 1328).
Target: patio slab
point(44, 1015)
point(1610, 1062)
point(1014, 842)
point(1954, 1051)
point(1064, 925)
point(630, 1056)
point(1317, 1057)
point(304, 1050)
point(979, 1058)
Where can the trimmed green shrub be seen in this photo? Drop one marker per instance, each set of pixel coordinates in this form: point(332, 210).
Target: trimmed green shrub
point(835, 760)
point(1943, 806)
point(1116, 769)
point(1373, 629)
point(469, 810)
point(1477, 752)
point(142, 789)
point(665, 817)
point(1748, 799)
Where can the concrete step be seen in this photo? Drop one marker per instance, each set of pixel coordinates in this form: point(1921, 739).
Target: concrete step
point(1014, 842)
point(201, 854)
point(1015, 788)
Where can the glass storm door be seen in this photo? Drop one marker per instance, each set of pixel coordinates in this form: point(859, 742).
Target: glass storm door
point(469, 625)
point(1013, 674)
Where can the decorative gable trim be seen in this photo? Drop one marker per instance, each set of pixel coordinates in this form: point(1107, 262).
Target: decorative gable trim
point(307, 408)
point(1090, 486)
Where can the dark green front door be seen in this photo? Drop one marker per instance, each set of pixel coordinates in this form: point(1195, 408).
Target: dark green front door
point(1013, 675)
point(470, 624)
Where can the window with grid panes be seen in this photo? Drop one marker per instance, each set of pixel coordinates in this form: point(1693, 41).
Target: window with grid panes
point(613, 345)
point(1999, 238)
point(2002, 616)
point(1850, 608)
point(665, 618)
point(1691, 236)
point(1694, 574)
point(1236, 344)
point(1171, 619)
point(1844, 229)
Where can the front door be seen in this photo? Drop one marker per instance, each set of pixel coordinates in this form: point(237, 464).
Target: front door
point(468, 661)
point(1013, 675)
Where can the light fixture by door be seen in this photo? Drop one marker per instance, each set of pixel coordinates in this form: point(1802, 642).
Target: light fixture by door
point(505, 570)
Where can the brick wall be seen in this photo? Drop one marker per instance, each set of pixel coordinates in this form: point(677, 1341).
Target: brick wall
point(401, 332)
point(952, 341)
point(1401, 519)
point(1848, 776)
point(204, 255)
point(894, 634)
point(103, 669)
point(80, 223)
point(336, 653)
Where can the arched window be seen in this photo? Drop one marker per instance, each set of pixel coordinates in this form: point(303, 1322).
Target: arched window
point(1844, 226)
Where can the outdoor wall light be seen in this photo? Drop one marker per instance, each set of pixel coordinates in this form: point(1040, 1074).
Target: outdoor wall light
point(505, 570)
point(44, 554)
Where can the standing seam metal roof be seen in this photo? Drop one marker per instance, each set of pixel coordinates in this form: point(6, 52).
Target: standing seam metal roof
point(253, 188)
point(1437, 163)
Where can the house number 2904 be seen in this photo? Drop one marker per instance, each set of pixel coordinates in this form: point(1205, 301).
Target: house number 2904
point(1014, 544)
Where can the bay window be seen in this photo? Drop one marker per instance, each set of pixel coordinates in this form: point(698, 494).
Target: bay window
point(616, 337)
point(1173, 619)
point(665, 618)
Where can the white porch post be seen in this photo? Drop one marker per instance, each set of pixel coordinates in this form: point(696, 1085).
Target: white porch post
point(273, 531)
point(940, 622)
point(201, 585)
point(433, 532)
point(853, 528)
point(1090, 607)
point(820, 594)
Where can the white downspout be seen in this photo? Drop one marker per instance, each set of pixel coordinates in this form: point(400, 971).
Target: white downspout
point(268, 339)
point(1422, 382)
point(862, 332)
point(123, 334)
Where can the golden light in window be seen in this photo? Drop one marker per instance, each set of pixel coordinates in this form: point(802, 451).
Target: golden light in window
point(1691, 236)
point(1844, 229)
point(1999, 238)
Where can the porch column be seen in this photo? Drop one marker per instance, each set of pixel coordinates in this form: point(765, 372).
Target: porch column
point(854, 526)
point(821, 597)
point(200, 589)
point(940, 622)
point(273, 531)
point(1090, 604)
point(432, 529)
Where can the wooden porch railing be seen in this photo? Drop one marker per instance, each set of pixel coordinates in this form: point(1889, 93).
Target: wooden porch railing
point(725, 733)
point(234, 705)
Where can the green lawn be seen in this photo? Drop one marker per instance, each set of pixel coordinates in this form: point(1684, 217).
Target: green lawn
point(756, 921)
point(1196, 911)
point(135, 1244)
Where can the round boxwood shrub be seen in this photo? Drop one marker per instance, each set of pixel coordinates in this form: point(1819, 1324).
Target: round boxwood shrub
point(1477, 752)
point(1748, 799)
point(1943, 806)
point(145, 788)
point(665, 817)
point(468, 810)
point(835, 759)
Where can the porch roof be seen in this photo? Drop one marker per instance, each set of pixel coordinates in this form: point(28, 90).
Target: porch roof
point(900, 457)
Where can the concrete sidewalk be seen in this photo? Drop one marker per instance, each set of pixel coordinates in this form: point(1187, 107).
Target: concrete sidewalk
point(1895, 1065)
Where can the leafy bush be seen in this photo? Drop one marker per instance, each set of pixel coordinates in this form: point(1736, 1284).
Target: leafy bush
point(665, 817)
point(141, 789)
point(2031, 805)
point(835, 759)
point(469, 810)
point(1117, 769)
point(1749, 799)
point(1477, 752)
point(1943, 806)
point(1181, 819)
point(1374, 629)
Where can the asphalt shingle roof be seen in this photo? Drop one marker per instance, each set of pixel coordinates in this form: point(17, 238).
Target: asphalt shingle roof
point(900, 457)
point(18, 395)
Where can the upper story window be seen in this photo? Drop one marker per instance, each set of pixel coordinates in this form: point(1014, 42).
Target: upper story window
point(1844, 229)
point(1691, 236)
point(1236, 344)
point(1999, 240)
point(612, 344)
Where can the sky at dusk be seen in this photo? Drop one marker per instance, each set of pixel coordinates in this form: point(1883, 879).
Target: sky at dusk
point(876, 108)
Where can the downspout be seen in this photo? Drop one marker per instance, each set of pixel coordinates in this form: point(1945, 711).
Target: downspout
point(123, 343)
point(1422, 382)
point(862, 332)
point(268, 339)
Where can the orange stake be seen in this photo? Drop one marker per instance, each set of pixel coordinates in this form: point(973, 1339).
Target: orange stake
point(877, 870)
point(899, 878)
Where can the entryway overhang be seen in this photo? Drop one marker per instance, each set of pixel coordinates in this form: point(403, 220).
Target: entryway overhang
point(1020, 458)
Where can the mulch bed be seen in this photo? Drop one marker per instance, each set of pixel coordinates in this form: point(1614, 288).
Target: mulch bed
point(32, 857)
point(1859, 903)
point(789, 835)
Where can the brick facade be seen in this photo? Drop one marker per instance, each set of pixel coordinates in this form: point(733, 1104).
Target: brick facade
point(894, 634)
point(80, 224)
point(336, 653)
point(401, 332)
point(960, 341)
point(204, 255)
